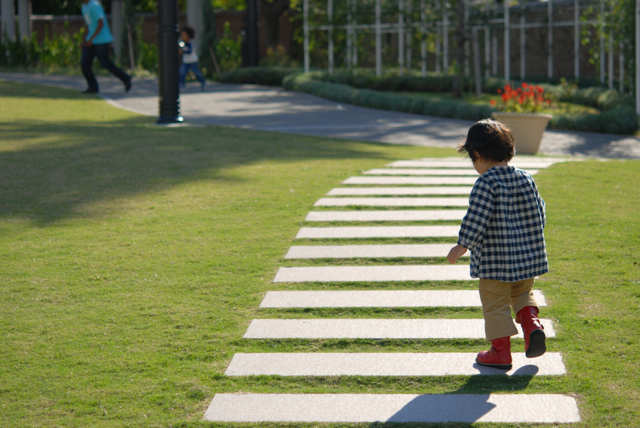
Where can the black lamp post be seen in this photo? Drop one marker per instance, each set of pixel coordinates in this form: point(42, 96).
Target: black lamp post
point(252, 53)
point(168, 89)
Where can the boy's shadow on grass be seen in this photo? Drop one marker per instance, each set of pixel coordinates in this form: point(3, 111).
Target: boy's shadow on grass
point(463, 407)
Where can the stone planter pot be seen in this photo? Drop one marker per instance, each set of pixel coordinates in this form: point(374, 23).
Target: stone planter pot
point(527, 129)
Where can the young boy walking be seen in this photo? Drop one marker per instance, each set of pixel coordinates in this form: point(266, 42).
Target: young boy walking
point(189, 58)
point(504, 230)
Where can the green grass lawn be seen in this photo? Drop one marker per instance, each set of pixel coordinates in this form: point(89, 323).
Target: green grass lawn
point(133, 258)
point(556, 107)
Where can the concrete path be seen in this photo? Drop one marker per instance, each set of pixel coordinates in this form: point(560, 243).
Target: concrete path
point(373, 273)
point(369, 251)
point(387, 215)
point(273, 109)
point(377, 232)
point(386, 364)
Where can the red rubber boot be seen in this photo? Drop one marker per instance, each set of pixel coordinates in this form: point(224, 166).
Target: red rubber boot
point(534, 337)
point(499, 356)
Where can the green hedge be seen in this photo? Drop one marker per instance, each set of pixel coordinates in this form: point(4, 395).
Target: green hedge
point(268, 76)
point(368, 98)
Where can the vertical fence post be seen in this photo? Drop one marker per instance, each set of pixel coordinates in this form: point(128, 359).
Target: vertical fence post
point(305, 15)
point(602, 53)
point(621, 67)
point(378, 39)
point(637, 80)
point(24, 18)
point(494, 52)
point(576, 38)
point(330, 35)
point(466, 42)
point(476, 62)
point(7, 13)
point(400, 37)
point(445, 38)
point(423, 41)
point(523, 45)
point(487, 52)
point(507, 42)
point(550, 39)
point(438, 40)
point(610, 54)
point(354, 56)
point(349, 30)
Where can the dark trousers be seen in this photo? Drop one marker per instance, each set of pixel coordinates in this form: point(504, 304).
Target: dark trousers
point(102, 52)
point(185, 68)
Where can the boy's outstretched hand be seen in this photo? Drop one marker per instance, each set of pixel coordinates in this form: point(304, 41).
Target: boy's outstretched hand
point(455, 253)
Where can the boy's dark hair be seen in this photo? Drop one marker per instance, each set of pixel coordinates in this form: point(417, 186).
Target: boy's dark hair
point(190, 31)
point(490, 139)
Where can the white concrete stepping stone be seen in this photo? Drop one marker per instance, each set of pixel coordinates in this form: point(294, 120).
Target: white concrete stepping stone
point(441, 171)
point(410, 180)
point(390, 215)
point(369, 251)
point(517, 158)
point(392, 202)
point(378, 299)
point(378, 232)
point(373, 273)
point(374, 329)
point(462, 164)
point(387, 364)
point(464, 408)
point(364, 191)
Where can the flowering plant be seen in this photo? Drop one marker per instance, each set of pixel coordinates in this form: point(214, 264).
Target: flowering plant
point(526, 99)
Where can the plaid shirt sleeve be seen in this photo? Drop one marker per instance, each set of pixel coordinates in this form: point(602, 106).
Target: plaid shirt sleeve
point(478, 215)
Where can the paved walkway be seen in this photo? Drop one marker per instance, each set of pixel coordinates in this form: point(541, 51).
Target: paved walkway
point(505, 406)
point(273, 109)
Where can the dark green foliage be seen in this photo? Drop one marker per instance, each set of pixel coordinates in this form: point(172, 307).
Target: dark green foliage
point(130, 25)
point(385, 101)
point(208, 40)
point(269, 76)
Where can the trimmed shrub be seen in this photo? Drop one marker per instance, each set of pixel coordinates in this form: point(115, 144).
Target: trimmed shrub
point(268, 76)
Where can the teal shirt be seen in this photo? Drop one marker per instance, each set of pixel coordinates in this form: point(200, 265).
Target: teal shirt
point(92, 12)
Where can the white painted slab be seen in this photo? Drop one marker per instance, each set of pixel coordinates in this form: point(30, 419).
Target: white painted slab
point(392, 202)
point(464, 408)
point(410, 180)
point(516, 159)
point(374, 329)
point(462, 164)
point(373, 273)
point(425, 171)
point(364, 191)
point(378, 232)
point(378, 299)
point(369, 251)
point(386, 215)
point(387, 364)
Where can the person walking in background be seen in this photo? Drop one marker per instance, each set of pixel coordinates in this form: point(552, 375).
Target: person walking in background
point(189, 58)
point(96, 44)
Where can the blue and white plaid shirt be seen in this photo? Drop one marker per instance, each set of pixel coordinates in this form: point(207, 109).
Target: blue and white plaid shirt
point(504, 226)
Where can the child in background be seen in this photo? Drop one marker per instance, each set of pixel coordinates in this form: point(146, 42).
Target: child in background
point(189, 58)
point(504, 229)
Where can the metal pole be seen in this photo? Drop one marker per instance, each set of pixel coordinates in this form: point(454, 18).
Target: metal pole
point(602, 52)
point(466, 42)
point(438, 41)
point(445, 38)
point(637, 80)
point(476, 63)
point(610, 58)
point(487, 52)
point(253, 52)
point(305, 15)
point(576, 38)
point(194, 19)
point(400, 37)
point(355, 34)
point(330, 35)
point(378, 39)
point(117, 19)
point(423, 42)
point(621, 67)
point(523, 45)
point(550, 39)
point(407, 42)
point(507, 42)
point(494, 52)
point(349, 40)
point(168, 91)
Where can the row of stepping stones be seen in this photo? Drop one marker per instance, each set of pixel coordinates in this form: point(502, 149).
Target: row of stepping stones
point(444, 176)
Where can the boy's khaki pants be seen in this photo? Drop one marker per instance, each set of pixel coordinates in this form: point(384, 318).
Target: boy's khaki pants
point(497, 300)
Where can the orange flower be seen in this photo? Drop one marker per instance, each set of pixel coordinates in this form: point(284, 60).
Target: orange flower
point(493, 102)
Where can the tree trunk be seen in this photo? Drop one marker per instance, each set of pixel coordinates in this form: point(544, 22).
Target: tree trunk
point(461, 37)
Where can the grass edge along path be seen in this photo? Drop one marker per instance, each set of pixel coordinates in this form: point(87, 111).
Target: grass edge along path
point(125, 288)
